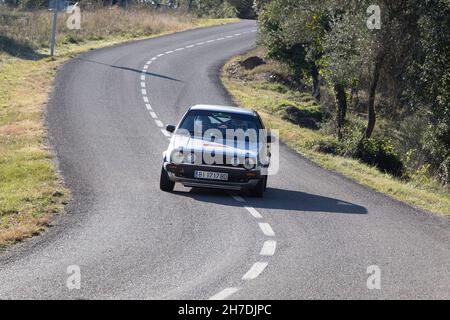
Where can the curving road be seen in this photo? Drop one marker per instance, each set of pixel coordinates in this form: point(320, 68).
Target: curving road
point(313, 236)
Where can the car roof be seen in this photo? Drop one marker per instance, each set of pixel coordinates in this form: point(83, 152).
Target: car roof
point(227, 109)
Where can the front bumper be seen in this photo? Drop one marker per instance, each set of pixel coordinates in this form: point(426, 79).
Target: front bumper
point(239, 178)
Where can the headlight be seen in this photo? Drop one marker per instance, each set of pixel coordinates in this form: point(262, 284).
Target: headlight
point(250, 163)
point(177, 156)
point(190, 158)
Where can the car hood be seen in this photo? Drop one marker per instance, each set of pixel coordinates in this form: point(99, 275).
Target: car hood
point(198, 145)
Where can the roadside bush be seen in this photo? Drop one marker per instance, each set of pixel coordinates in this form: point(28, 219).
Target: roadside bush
point(215, 9)
point(304, 116)
point(328, 145)
point(444, 171)
point(380, 153)
point(375, 152)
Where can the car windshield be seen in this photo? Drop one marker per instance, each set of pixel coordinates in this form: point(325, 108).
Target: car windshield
point(203, 121)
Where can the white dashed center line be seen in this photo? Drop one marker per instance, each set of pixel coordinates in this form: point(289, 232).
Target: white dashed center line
point(253, 212)
point(269, 246)
point(238, 198)
point(267, 229)
point(255, 271)
point(165, 133)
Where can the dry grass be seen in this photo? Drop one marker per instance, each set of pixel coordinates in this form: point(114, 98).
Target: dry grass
point(33, 29)
point(24, 33)
point(258, 94)
point(31, 191)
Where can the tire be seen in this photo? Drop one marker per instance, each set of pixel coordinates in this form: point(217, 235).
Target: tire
point(258, 190)
point(165, 184)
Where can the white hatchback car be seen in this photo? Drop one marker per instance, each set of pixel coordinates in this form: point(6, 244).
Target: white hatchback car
point(218, 147)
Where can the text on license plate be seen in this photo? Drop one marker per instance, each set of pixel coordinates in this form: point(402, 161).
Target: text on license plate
point(211, 175)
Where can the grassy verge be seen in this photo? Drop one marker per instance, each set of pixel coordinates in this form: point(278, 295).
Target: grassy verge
point(254, 89)
point(31, 191)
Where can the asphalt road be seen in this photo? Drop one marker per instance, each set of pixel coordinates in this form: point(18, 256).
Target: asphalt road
point(320, 232)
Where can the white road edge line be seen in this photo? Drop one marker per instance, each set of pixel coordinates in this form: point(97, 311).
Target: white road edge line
point(145, 99)
point(268, 248)
point(154, 116)
point(222, 295)
point(159, 123)
point(255, 271)
point(148, 106)
point(267, 229)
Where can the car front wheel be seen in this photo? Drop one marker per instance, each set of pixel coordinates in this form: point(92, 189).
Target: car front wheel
point(165, 184)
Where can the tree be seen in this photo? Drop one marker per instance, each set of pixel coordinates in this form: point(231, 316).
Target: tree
point(429, 82)
point(346, 47)
point(292, 31)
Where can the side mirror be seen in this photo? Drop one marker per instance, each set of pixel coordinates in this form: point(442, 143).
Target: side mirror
point(171, 128)
point(270, 138)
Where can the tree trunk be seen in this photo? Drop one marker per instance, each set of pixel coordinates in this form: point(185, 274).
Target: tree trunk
point(372, 117)
point(341, 102)
point(316, 82)
point(354, 97)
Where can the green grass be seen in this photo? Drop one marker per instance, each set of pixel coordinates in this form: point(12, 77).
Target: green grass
point(31, 191)
point(255, 92)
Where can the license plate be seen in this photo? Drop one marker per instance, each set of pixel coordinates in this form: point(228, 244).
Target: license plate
point(211, 175)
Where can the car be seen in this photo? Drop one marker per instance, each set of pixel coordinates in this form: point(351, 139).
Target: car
point(218, 147)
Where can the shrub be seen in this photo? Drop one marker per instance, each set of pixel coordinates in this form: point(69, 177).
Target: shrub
point(444, 171)
point(374, 152)
point(303, 116)
point(215, 9)
point(380, 153)
point(329, 145)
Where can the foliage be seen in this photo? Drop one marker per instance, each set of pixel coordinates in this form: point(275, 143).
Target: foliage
point(380, 153)
point(403, 67)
